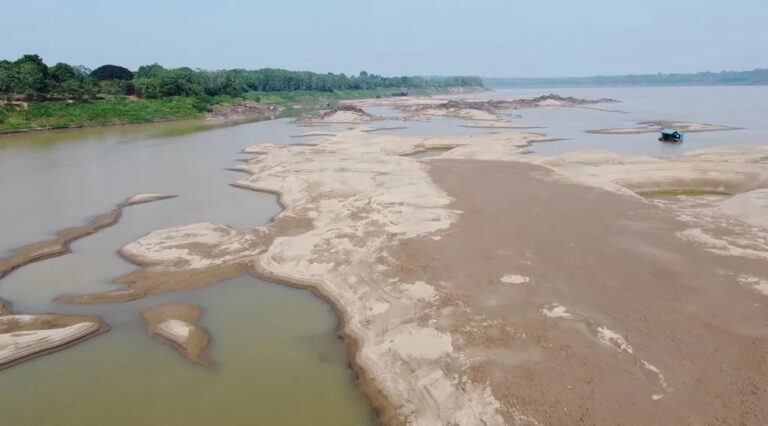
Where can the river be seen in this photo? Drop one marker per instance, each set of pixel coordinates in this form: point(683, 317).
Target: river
point(277, 359)
point(276, 356)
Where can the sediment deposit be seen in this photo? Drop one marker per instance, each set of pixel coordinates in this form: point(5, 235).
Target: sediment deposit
point(25, 336)
point(655, 126)
point(341, 114)
point(482, 110)
point(489, 286)
point(178, 325)
point(60, 245)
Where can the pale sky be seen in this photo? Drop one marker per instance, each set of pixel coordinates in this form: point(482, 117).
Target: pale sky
point(531, 38)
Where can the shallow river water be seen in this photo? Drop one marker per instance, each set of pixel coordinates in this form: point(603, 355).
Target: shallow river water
point(276, 356)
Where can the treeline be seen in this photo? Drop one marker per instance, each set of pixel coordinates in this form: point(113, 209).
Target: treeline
point(30, 78)
point(755, 77)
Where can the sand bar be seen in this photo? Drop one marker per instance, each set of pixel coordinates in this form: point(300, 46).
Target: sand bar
point(178, 325)
point(24, 336)
point(621, 314)
point(60, 245)
point(655, 126)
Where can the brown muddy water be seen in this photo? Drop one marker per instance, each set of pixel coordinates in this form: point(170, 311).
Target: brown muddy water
point(276, 356)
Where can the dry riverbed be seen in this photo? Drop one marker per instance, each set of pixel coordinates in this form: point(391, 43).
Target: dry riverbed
point(491, 286)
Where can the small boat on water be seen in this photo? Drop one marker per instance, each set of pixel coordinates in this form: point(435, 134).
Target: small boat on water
point(671, 135)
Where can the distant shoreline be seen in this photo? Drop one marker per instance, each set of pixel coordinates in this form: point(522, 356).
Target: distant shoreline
point(282, 104)
point(756, 77)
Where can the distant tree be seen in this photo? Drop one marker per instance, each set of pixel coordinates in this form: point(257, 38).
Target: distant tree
point(112, 87)
point(178, 82)
point(5, 77)
point(112, 72)
point(149, 71)
point(61, 72)
point(147, 88)
point(29, 76)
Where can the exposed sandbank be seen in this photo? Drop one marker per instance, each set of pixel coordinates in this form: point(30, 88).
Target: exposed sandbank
point(177, 324)
point(342, 114)
point(498, 125)
point(655, 126)
point(615, 318)
point(183, 257)
point(482, 110)
point(750, 207)
point(60, 245)
point(345, 199)
point(24, 337)
point(426, 263)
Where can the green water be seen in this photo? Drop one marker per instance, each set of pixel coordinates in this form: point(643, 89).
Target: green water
point(276, 356)
point(276, 361)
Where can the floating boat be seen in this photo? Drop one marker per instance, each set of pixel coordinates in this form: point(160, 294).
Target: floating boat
point(671, 135)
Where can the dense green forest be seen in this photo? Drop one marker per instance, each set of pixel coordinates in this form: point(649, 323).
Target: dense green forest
point(754, 77)
point(36, 96)
point(30, 78)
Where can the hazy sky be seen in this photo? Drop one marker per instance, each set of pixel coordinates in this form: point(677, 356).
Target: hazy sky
point(395, 37)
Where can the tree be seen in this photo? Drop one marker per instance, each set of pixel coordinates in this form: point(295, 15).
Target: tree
point(147, 88)
point(178, 82)
point(5, 77)
point(29, 76)
point(112, 72)
point(61, 72)
point(149, 71)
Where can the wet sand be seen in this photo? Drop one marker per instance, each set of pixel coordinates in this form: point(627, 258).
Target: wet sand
point(178, 325)
point(610, 318)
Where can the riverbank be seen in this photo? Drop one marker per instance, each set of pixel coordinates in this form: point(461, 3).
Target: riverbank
point(54, 115)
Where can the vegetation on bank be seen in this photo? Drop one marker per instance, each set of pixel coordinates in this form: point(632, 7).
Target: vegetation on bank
point(754, 77)
point(36, 96)
point(63, 115)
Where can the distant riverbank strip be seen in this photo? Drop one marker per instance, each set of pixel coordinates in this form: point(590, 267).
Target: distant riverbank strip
point(34, 96)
